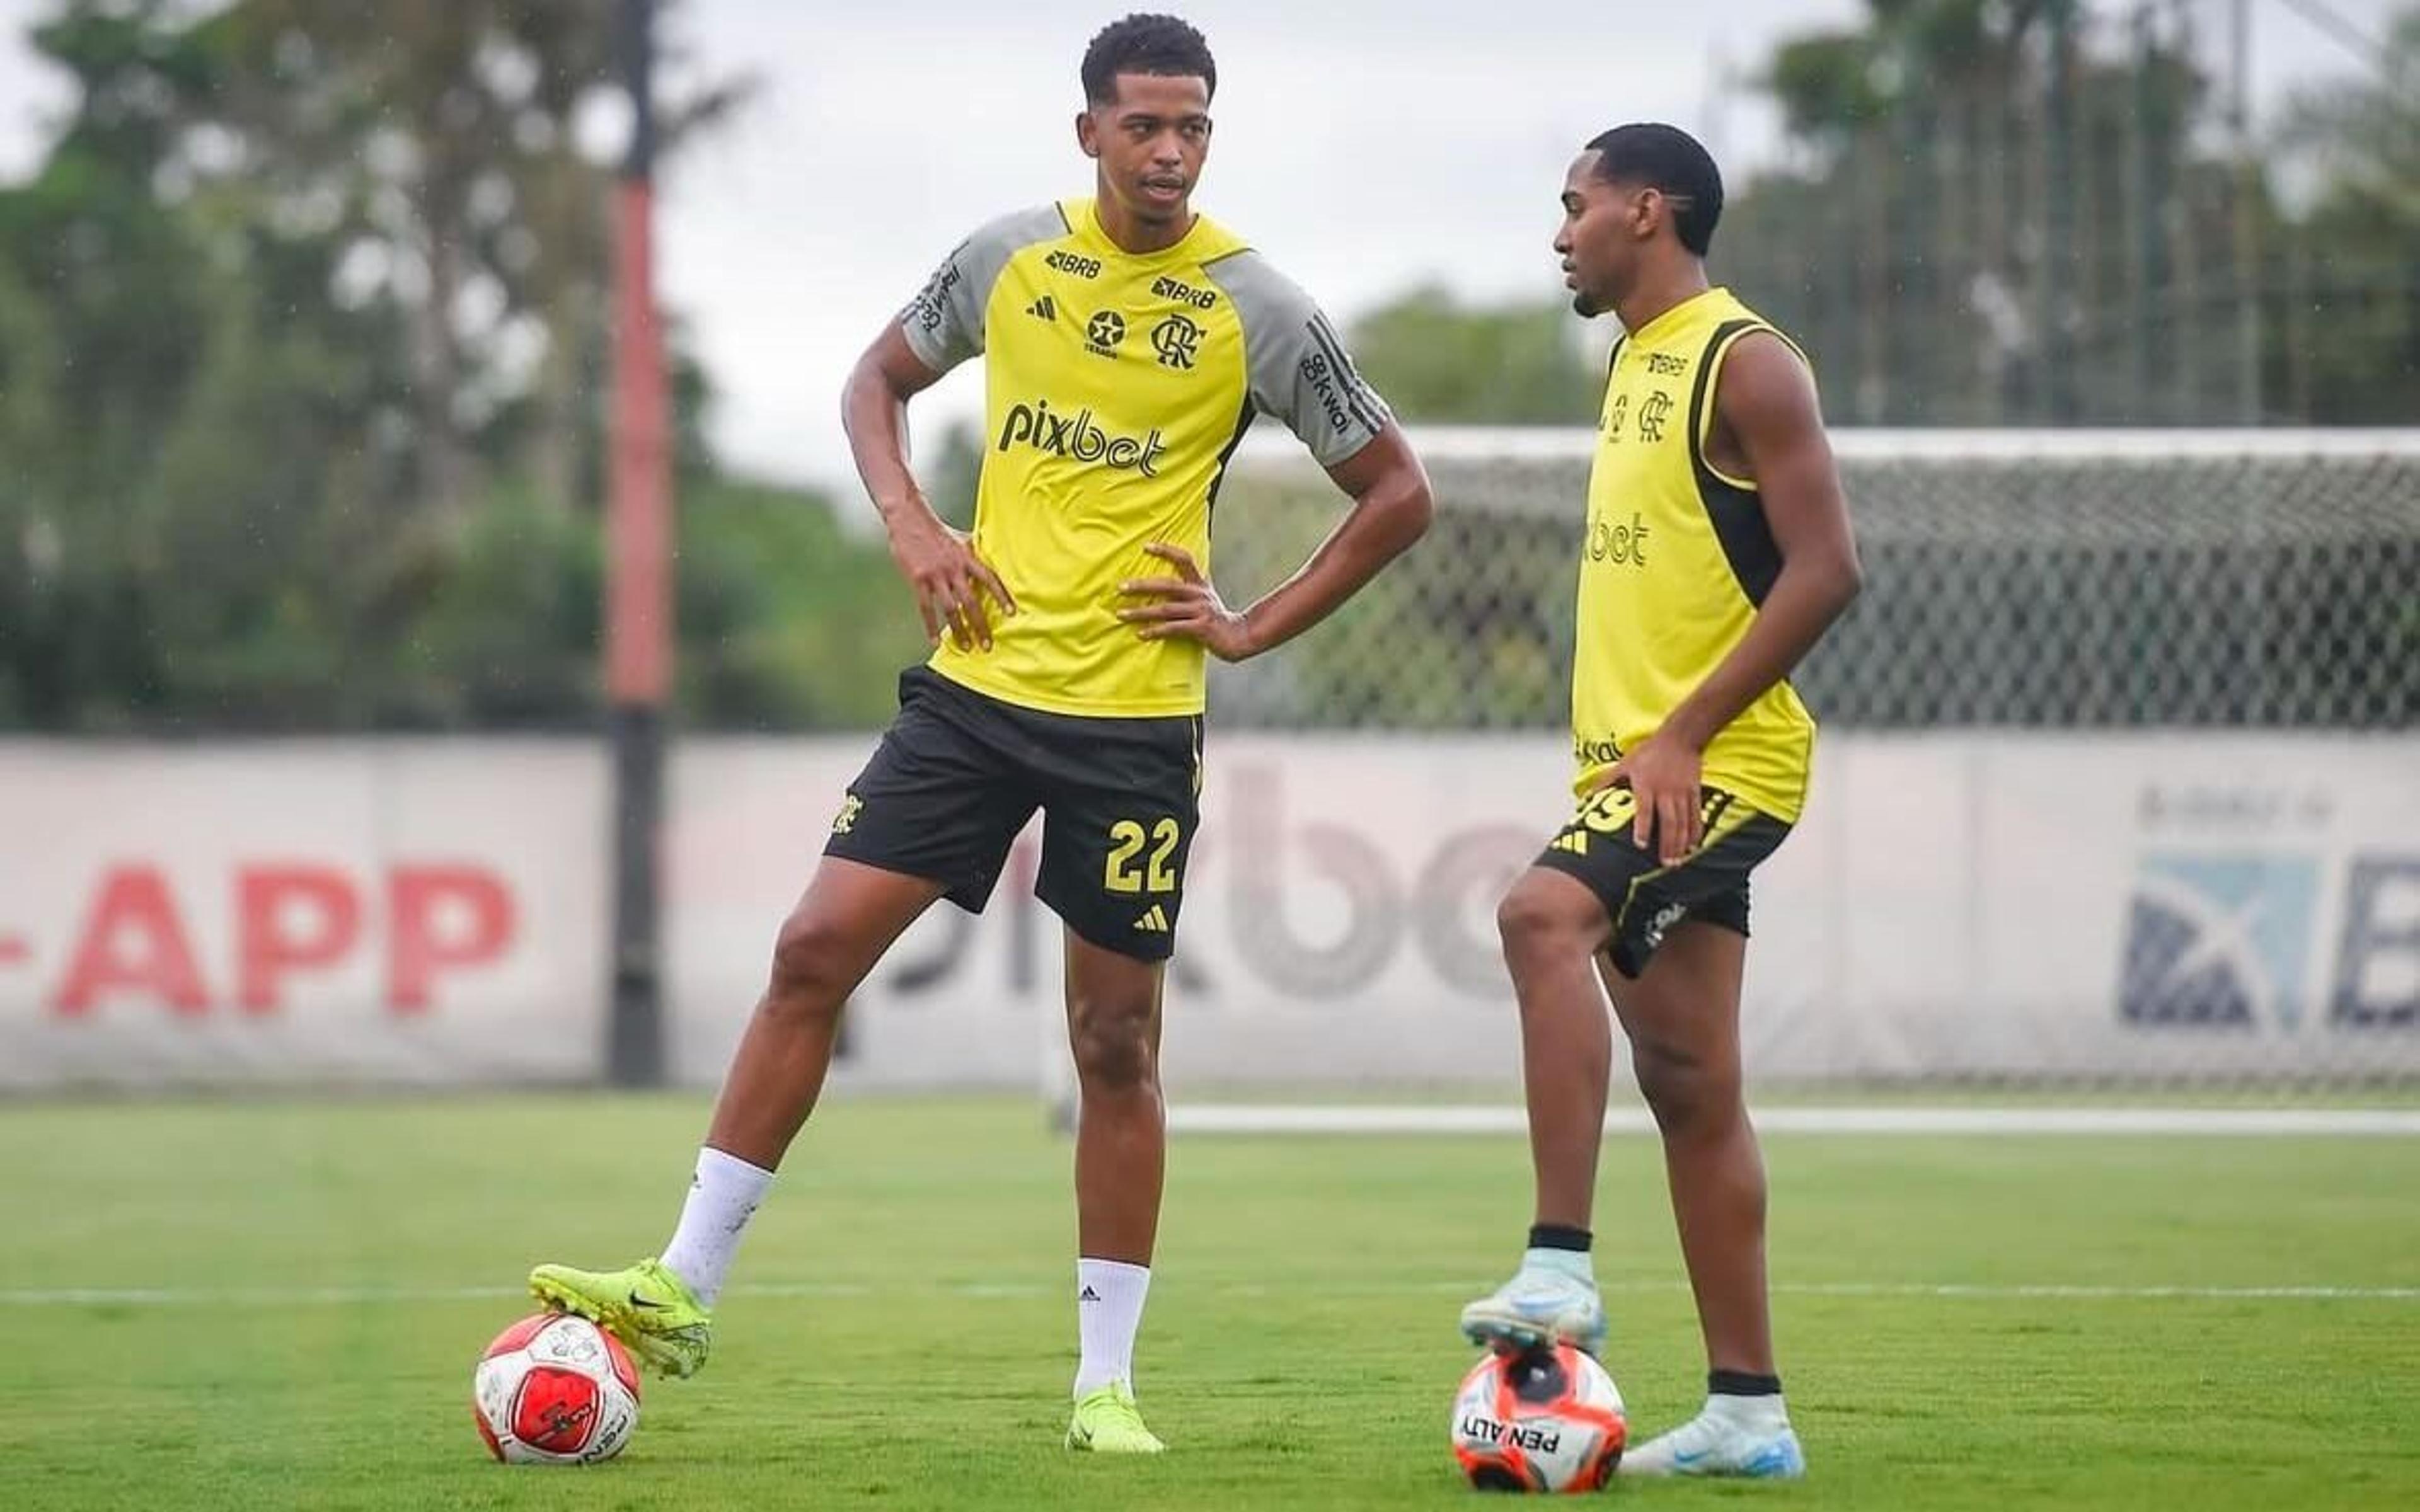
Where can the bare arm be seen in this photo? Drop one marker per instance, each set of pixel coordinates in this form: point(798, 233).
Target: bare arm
point(949, 580)
point(1391, 507)
point(1765, 407)
point(1390, 510)
point(1766, 424)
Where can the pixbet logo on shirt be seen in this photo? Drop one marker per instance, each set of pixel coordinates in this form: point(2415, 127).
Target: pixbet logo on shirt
point(1077, 437)
point(1617, 542)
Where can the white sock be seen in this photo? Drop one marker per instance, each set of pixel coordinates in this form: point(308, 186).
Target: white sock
point(1108, 1309)
point(1763, 1414)
point(722, 1200)
point(1570, 1262)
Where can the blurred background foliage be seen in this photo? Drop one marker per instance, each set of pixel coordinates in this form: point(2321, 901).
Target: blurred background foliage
point(304, 353)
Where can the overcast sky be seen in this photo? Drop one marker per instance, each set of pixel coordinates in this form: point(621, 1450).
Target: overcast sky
point(1363, 144)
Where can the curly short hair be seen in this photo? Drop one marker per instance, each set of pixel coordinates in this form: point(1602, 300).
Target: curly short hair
point(1145, 43)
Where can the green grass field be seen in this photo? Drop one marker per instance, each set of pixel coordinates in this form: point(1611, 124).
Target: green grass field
point(277, 1305)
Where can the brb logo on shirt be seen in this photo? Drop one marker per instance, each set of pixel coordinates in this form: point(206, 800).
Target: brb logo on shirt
point(1076, 437)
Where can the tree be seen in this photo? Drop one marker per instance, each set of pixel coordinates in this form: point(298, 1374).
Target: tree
point(2349, 315)
point(301, 358)
point(1437, 359)
point(177, 370)
point(2032, 212)
point(439, 144)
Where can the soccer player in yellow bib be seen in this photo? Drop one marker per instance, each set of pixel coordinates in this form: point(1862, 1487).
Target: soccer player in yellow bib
point(1718, 551)
point(1128, 342)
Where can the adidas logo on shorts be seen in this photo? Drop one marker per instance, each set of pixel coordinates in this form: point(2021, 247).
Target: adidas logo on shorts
point(1154, 922)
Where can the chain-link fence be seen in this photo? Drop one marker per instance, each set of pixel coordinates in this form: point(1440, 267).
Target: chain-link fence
point(2119, 782)
point(2036, 579)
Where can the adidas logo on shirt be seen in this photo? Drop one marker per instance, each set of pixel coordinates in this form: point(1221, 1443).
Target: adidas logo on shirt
point(1043, 309)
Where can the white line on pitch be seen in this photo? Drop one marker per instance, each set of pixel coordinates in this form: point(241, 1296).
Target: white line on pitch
point(377, 1296)
point(1258, 1118)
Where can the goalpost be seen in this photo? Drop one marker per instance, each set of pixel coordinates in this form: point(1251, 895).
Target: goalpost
point(2116, 814)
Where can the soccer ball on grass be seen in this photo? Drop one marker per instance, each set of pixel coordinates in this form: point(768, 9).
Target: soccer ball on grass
point(1545, 1420)
point(555, 1390)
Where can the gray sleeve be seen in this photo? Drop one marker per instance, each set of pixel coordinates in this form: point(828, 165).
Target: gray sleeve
point(944, 322)
point(1299, 370)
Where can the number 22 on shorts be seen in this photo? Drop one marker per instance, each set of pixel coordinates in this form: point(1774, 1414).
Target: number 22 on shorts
point(1129, 869)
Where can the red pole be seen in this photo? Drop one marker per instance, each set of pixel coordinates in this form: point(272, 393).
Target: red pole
point(637, 594)
point(639, 617)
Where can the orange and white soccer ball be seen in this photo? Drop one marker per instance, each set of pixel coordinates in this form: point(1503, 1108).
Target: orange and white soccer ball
point(1549, 1420)
point(555, 1390)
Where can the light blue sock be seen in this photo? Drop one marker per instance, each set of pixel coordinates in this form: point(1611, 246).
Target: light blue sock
point(1570, 1262)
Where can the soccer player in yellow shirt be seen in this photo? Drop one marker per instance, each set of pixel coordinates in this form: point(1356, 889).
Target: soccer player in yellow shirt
point(1127, 343)
point(1718, 551)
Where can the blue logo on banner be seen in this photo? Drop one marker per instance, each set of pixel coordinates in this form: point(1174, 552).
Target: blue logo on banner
point(2218, 940)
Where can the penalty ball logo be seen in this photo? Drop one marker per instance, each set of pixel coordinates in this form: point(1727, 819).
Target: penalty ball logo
point(1527, 1438)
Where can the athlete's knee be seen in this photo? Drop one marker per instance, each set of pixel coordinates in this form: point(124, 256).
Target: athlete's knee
point(811, 974)
point(1540, 917)
point(1688, 1094)
point(1111, 1041)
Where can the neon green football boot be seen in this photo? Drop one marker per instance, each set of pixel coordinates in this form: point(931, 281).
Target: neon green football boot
point(1107, 1423)
point(647, 1307)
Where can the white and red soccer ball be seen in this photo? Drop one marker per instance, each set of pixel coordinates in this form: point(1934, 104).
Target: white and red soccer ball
point(1548, 1420)
point(555, 1390)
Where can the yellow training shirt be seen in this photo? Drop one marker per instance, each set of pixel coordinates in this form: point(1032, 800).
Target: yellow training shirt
point(1677, 557)
point(1117, 385)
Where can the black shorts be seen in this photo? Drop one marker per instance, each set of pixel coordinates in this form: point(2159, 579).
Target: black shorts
point(1642, 897)
point(958, 774)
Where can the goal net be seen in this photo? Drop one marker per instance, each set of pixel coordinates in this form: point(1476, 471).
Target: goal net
point(2120, 784)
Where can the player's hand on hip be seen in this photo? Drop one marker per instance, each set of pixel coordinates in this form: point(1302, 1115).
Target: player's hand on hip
point(1186, 607)
point(950, 582)
point(1662, 774)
